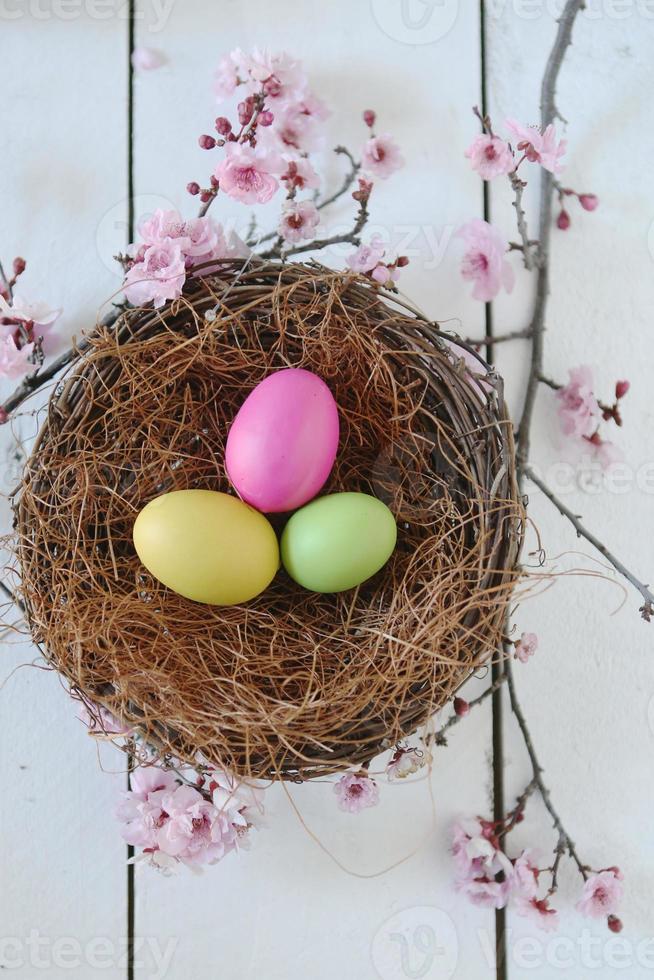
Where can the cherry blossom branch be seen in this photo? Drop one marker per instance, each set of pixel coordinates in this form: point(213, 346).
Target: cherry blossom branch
point(647, 609)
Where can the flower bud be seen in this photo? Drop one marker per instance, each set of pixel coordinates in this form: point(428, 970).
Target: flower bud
point(245, 111)
point(266, 118)
point(621, 389)
point(193, 187)
point(207, 142)
point(563, 220)
point(223, 126)
point(588, 201)
point(19, 266)
point(614, 923)
point(369, 118)
point(461, 707)
point(206, 196)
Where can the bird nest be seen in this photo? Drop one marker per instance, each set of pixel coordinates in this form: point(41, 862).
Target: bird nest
point(292, 684)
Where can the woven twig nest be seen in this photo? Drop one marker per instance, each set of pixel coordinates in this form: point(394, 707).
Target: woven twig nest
point(292, 684)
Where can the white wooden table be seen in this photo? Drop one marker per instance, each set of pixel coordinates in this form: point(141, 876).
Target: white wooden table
point(285, 910)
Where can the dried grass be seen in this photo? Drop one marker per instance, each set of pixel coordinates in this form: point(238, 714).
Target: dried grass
point(292, 684)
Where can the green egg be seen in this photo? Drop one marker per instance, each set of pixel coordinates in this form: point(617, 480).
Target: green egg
point(338, 541)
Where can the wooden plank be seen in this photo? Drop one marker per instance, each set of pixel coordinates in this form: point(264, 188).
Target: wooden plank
point(63, 864)
point(285, 909)
point(587, 691)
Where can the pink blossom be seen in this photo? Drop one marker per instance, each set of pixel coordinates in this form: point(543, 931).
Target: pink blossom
point(293, 130)
point(490, 156)
point(141, 809)
point(147, 59)
point(280, 75)
point(356, 791)
point(205, 241)
point(601, 894)
point(227, 75)
point(299, 174)
point(524, 876)
point(38, 313)
point(298, 221)
point(311, 105)
point(247, 175)
point(160, 225)
point(384, 274)
point(241, 802)
point(483, 870)
point(405, 762)
point(195, 831)
point(539, 911)
point(158, 276)
point(14, 360)
point(526, 647)
point(484, 891)
point(539, 147)
point(473, 846)
point(579, 413)
point(366, 257)
point(381, 156)
point(484, 262)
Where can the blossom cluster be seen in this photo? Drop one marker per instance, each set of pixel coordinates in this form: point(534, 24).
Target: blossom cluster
point(175, 823)
point(169, 247)
point(26, 334)
point(489, 878)
point(581, 415)
point(492, 156)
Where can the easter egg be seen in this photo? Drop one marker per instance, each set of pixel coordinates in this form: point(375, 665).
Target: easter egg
point(207, 546)
point(283, 441)
point(338, 541)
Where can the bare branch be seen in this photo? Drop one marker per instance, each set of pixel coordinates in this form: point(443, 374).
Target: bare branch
point(537, 326)
point(583, 532)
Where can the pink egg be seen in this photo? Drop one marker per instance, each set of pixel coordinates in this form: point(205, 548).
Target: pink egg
point(282, 444)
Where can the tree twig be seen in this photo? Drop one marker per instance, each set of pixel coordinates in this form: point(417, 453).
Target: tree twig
point(537, 326)
point(439, 737)
point(528, 249)
point(502, 338)
point(565, 840)
point(647, 610)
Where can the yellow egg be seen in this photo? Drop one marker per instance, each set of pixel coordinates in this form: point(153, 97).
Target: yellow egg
point(207, 546)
